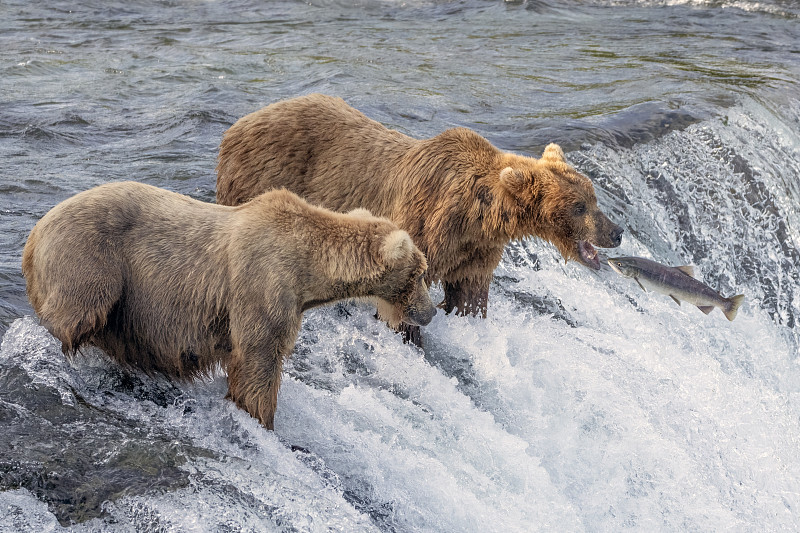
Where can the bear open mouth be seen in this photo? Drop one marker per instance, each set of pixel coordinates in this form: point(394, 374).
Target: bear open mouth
point(588, 255)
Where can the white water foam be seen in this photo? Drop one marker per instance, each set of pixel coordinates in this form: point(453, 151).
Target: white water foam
point(785, 8)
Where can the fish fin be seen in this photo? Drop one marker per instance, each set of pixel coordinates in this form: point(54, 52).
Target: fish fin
point(706, 308)
point(640, 284)
point(676, 300)
point(687, 269)
point(735, 302)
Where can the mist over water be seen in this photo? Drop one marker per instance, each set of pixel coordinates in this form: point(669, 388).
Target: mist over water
point(581, 403)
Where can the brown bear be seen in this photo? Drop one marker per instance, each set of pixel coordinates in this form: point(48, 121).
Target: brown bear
point(165, 283)
point(460, 198)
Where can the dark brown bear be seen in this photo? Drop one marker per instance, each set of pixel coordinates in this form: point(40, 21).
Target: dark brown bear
point(460, 198)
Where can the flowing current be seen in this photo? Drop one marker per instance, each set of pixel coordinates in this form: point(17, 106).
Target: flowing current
point(581, 403)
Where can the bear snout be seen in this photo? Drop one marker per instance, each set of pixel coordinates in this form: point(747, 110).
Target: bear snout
point(424, 317)
point(603, 232)
point(421, 312)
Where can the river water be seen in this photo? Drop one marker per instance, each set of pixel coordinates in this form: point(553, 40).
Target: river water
point(580, 404)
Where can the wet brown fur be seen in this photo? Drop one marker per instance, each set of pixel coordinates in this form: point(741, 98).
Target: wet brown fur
point(460, 198)
point(168, 284)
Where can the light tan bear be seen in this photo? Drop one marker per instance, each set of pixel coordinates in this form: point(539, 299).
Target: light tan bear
point(460, 198)
point(168, 284)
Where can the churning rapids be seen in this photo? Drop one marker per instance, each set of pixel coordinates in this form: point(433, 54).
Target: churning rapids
point(580, 404)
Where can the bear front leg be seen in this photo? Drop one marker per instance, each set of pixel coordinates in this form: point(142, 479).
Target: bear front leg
point(411, 334)
point(261, 337)
point(254, 378)
point(470, 297)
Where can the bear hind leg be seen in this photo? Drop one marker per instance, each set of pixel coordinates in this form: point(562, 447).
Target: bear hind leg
point(76, 314)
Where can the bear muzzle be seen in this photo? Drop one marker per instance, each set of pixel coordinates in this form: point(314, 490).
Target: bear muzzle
point(420, 310)
point(587, 255)
point(420, 317)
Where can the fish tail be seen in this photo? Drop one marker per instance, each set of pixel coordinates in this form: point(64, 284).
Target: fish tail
point(735, 302)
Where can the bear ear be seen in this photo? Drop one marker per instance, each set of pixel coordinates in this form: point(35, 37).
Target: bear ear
point(511, 179)
point(553, 152)
point(396, 246)
point(360, 212)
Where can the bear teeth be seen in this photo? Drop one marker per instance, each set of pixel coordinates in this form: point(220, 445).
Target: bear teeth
point(588, 254)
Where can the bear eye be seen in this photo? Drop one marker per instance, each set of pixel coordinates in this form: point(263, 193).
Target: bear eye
point(580, 209)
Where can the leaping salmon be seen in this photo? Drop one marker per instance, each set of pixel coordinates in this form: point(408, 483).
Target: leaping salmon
point(678, 283)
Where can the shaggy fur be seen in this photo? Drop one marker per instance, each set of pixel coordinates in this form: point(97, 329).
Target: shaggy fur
point(168, 284)
point(460, 199)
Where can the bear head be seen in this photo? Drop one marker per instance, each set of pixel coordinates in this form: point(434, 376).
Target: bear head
point(401, 290)
point(551, 200)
